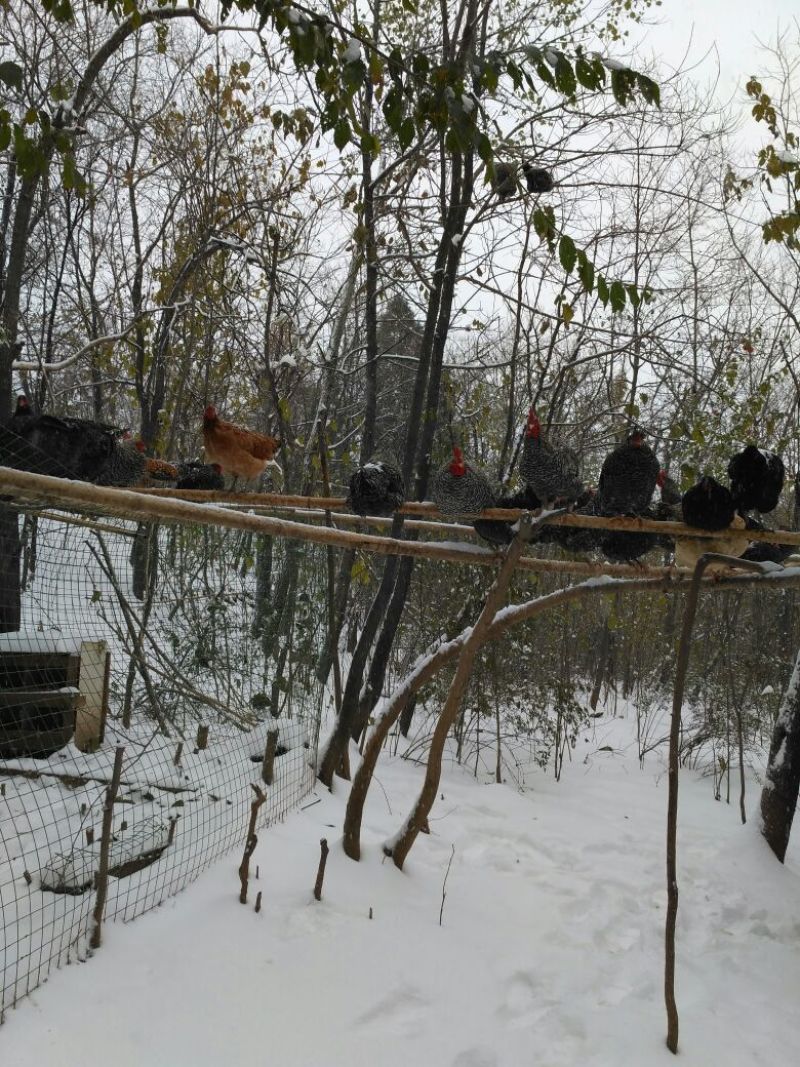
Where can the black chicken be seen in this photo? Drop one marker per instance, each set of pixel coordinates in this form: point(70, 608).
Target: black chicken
point(458, 489)
point(756, 479)
point(551, 472)
point(205, 476)
point(768, 552)
point(620, 546)
point(708, 505)
point(377, 488)
point(628, 477)
point(82, 447)
point(21, 455)
point(499, 532)
point(537, 179)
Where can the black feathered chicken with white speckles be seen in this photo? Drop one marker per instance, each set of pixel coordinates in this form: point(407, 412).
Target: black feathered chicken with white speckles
point(458, 489)
point(550, 471)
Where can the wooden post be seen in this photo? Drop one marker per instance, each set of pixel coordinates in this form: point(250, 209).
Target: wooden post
point(250, 843)
point(202, 737)
point(105, 846)
point(90, 716)
point(268, 764)
point(323, 857)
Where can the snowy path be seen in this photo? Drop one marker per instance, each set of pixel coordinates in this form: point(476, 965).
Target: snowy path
point(550, 953)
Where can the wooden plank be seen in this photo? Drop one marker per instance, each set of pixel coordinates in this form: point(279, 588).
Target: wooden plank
point(90, 719)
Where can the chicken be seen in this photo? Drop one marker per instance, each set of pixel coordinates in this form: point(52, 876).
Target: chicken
point(620, 546)
point(504, 181)
point(768, 552)
point(499, 532)
point(377, 488)
point(457, 489)
point(21, 455)
point(708, 505)
point(79, 445)
point(756, 479)
point(688, 551)
point(205, 476)
point(552, 473)
point(242, 453)
point(628, 477)
point(670, 492)
point(537, 179)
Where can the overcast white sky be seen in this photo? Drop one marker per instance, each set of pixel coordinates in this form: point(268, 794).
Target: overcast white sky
point(720, 34)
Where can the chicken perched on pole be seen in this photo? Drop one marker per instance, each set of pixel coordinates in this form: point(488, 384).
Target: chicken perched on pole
point(756, 479)
point(551, 472)
point(708, 505)
point(377, 488)
point(628, 477)
point(242, 453)
point(500, 532)
point(458, 489)
point(203, 476)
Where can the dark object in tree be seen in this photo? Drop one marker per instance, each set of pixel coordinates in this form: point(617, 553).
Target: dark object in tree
point(708, 505)
point(204, 476)
point(377, 488)
point(504, 181)
point(458, 489)
point(628, 477)
point(756, 479)
point(496, 531)
point(550, 471)
point(670, 492)
point(782, 778)
point(537, 179)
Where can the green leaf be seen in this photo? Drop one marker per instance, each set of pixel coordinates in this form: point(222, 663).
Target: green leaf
point(565, 76)
point(588, 74)
point(341, 133)
point(567, 253)
point(649, 89)
point(11, 74)
point(617, 294)
point(633, 295)
point(586, 271)
point(405, 134)
point(602, 290)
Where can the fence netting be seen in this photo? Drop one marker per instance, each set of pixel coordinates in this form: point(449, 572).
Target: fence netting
point(190, 648)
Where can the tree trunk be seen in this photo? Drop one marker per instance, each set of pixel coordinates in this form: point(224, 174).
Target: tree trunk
point(782, 780)
point(10, 549)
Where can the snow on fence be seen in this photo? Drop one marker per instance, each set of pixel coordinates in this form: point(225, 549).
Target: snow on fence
point(190, 648)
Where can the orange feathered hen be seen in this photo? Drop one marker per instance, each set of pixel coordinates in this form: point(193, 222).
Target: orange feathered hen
point(240, 452)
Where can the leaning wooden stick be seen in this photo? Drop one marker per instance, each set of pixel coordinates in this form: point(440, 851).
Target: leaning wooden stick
point(250, 844)
point(105, 848)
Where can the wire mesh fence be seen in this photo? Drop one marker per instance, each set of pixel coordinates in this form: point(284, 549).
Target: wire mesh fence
point(189, 650)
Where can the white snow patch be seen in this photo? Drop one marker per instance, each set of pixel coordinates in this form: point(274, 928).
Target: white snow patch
point(353, 51)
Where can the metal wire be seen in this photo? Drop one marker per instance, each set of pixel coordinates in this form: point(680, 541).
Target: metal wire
point(185, 645)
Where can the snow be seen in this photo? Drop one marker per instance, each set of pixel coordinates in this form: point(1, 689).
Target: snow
point(788, 157)
point(550, 949)
point(551, 56)
point(353, 51)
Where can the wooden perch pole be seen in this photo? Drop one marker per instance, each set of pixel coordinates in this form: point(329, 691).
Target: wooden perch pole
point(323, 859)
point(418, 817)
point(681, 667)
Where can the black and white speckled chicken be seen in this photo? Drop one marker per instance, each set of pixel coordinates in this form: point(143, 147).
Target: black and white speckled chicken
point(551, 472)
point(204, 476)
point(499, 532)
point(628, 477)
point(458, 489)
point(377, 488)
point(708, 505)
point(756, 479)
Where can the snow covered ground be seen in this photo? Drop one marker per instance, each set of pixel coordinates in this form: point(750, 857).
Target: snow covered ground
point(550, 950)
